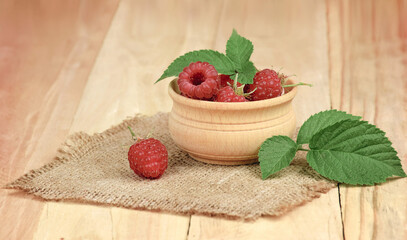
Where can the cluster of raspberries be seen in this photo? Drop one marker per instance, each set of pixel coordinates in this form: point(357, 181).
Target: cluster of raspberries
point(200, 80)
point(149, 157)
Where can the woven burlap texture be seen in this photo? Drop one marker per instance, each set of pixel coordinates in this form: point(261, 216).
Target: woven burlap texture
point(95, 169)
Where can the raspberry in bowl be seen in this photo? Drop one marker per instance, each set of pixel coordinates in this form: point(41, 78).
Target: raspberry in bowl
point(229, 133)
point(224, 107)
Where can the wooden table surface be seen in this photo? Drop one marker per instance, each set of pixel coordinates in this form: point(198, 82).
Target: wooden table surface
point(86, 65)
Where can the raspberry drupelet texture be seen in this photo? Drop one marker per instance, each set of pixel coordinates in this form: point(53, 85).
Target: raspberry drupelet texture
point(227, 94)
point(199, 81)
point(267, 84)
point(148, 158)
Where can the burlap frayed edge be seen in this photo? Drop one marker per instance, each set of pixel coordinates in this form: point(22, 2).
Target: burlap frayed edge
point(100, 199)
point(71, 149)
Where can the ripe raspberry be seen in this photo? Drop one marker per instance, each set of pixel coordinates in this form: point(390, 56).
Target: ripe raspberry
point(148, 158)
point(199, 81)
point(267, 84)
point(227, 94)
point(225, 81)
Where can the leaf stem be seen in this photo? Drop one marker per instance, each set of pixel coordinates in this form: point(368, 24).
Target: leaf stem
point(302, 149)
point(235, 82)
point(297, 84)
point(132, 134)
point(131, 131)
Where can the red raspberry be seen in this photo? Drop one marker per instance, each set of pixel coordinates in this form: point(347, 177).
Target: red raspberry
point(148, 158)
point(227, 94)
point(225, 81)
point(267, 84)
point(199, 81)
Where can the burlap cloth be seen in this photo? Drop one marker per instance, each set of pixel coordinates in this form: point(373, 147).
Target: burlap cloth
point(94, 168)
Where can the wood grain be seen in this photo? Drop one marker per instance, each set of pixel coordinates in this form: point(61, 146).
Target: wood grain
point(121, 85)
point(214, 132)
point(312, 221)
point(70, 67)
point(293, 38)
point(74, 221)
point(368, 56)
point(46, 52)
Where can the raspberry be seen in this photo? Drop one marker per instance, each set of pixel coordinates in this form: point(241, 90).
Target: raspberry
point(227, 94)
point(269, 84)
point(199, 81)
point(225, 81)
point(148, 158)
point(266, 84)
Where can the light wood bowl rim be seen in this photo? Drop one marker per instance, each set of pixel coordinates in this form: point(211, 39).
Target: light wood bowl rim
point(176, 97)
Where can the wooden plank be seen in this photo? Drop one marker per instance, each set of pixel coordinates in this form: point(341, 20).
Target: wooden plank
point(289, 34)
point(74, 221)
point(133, 56)
point(368, 52)
point(137, 50)
point(131, 224)
point(46, 51)
point(318, 219)
point(38, 122)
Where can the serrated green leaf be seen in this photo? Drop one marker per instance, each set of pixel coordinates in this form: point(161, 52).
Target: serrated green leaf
point(275, 154)
point(246, 75)
point(320, 121)
point(219, 60)
point(239, 50)
point(354, 152)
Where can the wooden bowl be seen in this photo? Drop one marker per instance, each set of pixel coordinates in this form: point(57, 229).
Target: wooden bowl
point(228, 133)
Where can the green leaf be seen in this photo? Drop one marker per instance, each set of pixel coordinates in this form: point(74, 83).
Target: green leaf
point(219, 60)
point(246, 75)
point(320, 121)
point(275, 154)
point(354, 152)
point(239, 50)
